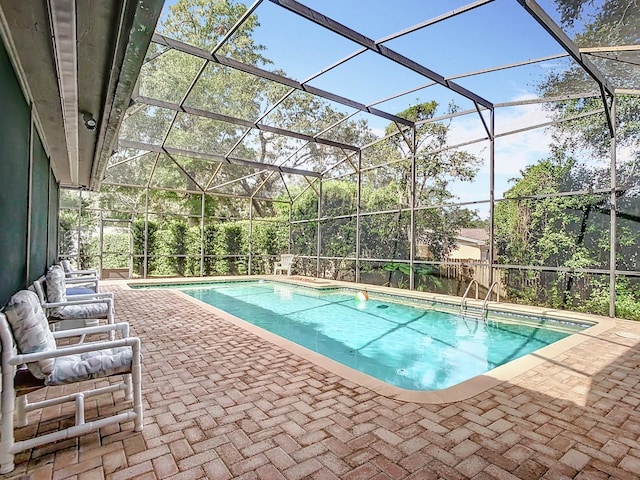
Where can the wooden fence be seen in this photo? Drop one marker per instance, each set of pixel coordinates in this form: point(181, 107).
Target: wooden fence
point(467, 269)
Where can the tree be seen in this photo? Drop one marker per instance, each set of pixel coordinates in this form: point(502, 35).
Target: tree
point(570, 231)
point(385, 188)
point(573, 231)
point(168, 76)
point(175, 77)
point(436, 168)
point(613, 22)
point(178, 243)
point(77, 230)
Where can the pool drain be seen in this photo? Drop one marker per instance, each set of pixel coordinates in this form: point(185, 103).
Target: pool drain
point(403, 372)
point(382, 306)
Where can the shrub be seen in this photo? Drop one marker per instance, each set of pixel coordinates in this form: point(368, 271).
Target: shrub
point(138, 246)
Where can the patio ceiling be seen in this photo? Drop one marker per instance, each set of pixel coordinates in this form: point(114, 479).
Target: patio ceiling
point(216, 116)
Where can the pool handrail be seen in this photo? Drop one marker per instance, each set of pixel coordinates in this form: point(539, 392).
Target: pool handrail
point(486, 298)
point(466, 292)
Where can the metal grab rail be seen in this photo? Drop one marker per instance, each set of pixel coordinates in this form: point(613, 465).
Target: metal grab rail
point(466, 292)
point(483, 312)
point(486, 298)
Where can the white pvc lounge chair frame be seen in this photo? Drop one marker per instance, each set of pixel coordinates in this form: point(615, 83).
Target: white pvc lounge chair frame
point(86, 278)
point(14, 398)
point(284, 265)
point(70, 272)
point(90, 282)
point(106, 297)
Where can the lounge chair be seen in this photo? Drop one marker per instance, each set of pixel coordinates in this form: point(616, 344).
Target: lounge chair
point(26, 339)
point(71, 288)
point(75, 310)
point(284, 265)
point(80, 278)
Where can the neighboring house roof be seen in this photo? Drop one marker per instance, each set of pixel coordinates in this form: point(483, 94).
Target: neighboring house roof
point(478, 236)
point(475, 235)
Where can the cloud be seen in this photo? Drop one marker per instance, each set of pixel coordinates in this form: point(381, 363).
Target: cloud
point(512, 152)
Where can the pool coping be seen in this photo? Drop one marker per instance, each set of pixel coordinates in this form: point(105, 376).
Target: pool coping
point(461, 391)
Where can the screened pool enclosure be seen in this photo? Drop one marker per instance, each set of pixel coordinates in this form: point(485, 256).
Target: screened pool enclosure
point(420, 145)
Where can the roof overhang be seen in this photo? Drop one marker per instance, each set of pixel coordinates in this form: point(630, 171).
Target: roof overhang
point(78, 61)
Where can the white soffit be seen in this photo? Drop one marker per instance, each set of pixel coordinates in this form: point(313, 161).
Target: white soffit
point(63, 26)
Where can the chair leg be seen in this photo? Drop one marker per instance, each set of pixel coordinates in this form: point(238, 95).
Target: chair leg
point(21, 410)
point(136, 378)
point(7, 403)
point(128, 391)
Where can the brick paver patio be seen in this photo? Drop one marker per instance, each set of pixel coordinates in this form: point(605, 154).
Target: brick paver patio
point(222, 403)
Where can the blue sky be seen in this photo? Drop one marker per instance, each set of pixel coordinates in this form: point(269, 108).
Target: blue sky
point(496, 34)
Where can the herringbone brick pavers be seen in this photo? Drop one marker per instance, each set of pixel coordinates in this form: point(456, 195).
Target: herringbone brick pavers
point(222, 403)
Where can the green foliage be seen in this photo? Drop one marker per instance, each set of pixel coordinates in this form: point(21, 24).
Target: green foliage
point(204, 22)
point(76, 236)
point(601, 23)
point(402, 267)
point(168, 75)
point(178, 250)
point(229, 247)
point(209, 249)
point(436, 166)
point(424, 276)
point(627, 302)
point(67, 233)
point(381, 235)
point(570, 231)
point(338, 237)
point(575, 232)
point(178, 243)
point(115, 242)
point(138, 246)
point(556, 232)
point(269, 240)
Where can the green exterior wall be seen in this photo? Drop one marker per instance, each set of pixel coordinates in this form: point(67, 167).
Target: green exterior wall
point(26, 211)
point(39, 212)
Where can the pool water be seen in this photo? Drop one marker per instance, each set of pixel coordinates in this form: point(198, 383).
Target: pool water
point(407, 346)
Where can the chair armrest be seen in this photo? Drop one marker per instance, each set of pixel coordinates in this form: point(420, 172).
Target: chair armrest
point(90, 271)
point(78, 302)
point(122, 327)
point(90, 296)
point(78, 348)
point(88, 279)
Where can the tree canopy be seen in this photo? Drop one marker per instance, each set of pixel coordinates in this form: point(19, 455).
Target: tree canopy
point(555, 229)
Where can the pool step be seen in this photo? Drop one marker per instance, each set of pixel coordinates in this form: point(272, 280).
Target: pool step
point(474, 313)
point(482, 314)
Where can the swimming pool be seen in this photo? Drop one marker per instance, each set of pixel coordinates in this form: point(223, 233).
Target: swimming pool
point(414, 347)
